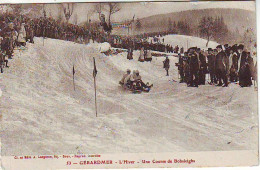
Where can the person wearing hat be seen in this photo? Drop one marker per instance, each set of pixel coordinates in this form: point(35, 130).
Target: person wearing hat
point(244, 63)
point(194, 68)
point(240, 51)
point(123, 81)
point(182, 50)
point(30, 31)
point(136, 81)
point(148, 55)
point(137, 75)
point(22, 35)
point(141, 56)
point(211, 66)
point(129, 53)
point(221, 67)
point(202, 67)
point(180, 68)
point(176, 49)
point(7, 44)
point(226, 49)
point(166, 65)
point(233, 59)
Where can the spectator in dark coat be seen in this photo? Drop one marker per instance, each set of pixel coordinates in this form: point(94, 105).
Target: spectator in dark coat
point(211, 66)
point(221, 66)
point(166, 65)
point(202, 67)
point(245, 60)
point(194, 68)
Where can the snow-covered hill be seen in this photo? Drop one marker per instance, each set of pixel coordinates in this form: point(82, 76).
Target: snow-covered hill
point(186, 41)
point(42, 114)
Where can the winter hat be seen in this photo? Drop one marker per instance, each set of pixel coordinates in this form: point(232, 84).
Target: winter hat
point(219, 46)
point(234, 48)
point(128, 70)
point(240, 47)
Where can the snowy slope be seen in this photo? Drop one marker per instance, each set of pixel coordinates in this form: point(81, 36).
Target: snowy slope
point(41, 114)
point(186, 41)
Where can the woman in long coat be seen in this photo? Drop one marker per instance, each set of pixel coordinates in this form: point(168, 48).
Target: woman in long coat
point(22, 35)
point(141, 57)
point(244, 71)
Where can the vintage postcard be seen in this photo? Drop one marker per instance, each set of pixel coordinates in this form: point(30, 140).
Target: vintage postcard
point(128, 84)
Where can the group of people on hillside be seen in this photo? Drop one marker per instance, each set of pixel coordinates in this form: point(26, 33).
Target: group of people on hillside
point(145, 55)
point(137, 43)
point(16, 31)
point(224, 64)
point(57, 29)
point(11, 36)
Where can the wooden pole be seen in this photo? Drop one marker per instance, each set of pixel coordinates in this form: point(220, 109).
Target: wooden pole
point(73, 72)
point(43, 36)
point(95, 84)
point(74, 84)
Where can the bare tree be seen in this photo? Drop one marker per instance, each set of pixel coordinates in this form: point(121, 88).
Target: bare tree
point(89, 14)
point(206, 28)
point(76, 19)
point(68, 10)
point(60, 13)
point(99, 7)
point(113, 7)
point(44, 11)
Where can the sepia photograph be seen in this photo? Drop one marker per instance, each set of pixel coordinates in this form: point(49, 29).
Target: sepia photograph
point(127, 77)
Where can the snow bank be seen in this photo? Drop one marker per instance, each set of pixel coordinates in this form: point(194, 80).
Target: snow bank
point(186, 41)
point(99, 47)
point(104, 47)
point(42, 114)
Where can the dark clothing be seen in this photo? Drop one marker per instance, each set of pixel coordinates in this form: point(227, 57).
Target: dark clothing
point(221, 75)
point(211, 67)
point(233, 76)
point(180, 68)
point(244, 71)
point(221, 67)
point(194, 62)
point(166, 65)
point(129, 54)
point(203, 69)
point(194, 69)
point(221, 61)
point(186, 69)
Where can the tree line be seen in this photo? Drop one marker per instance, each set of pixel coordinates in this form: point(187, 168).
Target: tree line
point(213, 29)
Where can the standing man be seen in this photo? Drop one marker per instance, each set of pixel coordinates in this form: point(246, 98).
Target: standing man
point(202, 67)
point(166, 65)
point(232, 62)
point(221, 67)
point(180, 68)
point(194, 68)
point(8, 34)
point(141, 56)
point(22, 36)
point(211, 66)
point(182, 50)
point(129, 53)
point(123, 81)
point(244, 63)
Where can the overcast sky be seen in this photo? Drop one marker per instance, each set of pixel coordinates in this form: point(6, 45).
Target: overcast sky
point(145, 9)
